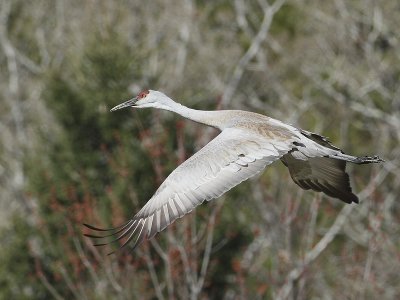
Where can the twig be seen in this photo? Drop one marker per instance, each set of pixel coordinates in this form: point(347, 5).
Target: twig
point(10, 54)
point(166, 260)
point(208, 248)
point(184, 34)
point(233, 83)
point(84, 260)
point(327, 238)
point(105, 266)
point(315, 252)
point(313, 220)
point(72, 287)
point(153, 275)
point(49, 287)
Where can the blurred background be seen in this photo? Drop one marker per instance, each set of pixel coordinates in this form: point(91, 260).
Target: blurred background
point(332, 67)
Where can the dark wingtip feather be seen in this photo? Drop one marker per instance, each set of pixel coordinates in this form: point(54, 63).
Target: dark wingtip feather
point(127, 228)
point(94, 236)
point(100, 244)
point(131, 230)
point(98, 229)
point(341, 193)
point(355, 199)
point(120, 229)
point(350, 198)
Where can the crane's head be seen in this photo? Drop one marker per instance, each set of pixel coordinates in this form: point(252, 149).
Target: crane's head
point(147, 98)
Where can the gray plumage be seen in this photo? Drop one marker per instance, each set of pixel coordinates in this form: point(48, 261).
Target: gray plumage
point(248, 142)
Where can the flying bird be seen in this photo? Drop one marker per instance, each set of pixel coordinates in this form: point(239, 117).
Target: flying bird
point(248, 142)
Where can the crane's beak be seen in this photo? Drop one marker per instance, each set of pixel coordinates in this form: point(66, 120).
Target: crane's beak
point(128, 103)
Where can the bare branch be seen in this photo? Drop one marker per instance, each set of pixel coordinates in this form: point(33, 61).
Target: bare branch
point(208, 248)
point(153, 275)
point(315, 252)
point(233, 83)
point(49, 287)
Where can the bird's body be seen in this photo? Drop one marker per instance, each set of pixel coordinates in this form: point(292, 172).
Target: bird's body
point(248, 142)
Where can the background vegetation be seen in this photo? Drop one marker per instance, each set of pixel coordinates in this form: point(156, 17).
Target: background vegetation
point(331, 67)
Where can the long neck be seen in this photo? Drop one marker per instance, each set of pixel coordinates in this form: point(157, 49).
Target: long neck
point(210, 118)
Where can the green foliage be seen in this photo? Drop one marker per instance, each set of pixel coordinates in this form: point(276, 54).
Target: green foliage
point(287, 20)
point(17, 272)
point(90, 165)
point(72, 172)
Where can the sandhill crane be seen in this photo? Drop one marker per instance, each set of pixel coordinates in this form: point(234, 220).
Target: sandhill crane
point(248, 142)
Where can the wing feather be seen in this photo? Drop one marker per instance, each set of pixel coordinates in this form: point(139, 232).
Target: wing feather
point(321, 174)
point(232, 157)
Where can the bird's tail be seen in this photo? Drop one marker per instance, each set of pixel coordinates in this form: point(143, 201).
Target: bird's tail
point(357, 160)
point(323, 145)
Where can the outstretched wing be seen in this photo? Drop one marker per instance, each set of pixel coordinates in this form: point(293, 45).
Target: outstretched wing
point(320, 174)
point(232, 157)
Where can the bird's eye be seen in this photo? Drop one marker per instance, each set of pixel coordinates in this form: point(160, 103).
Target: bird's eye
point(143, 94)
